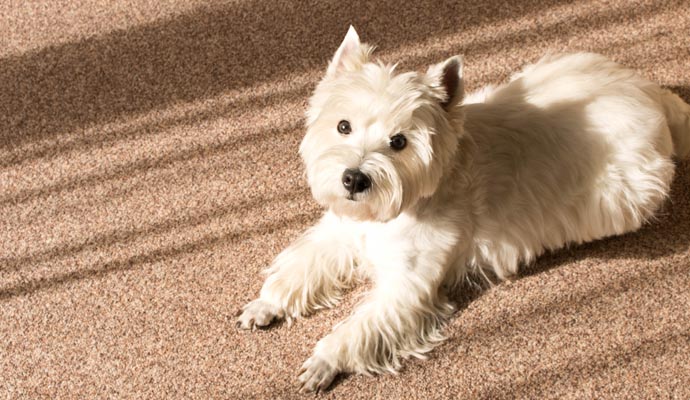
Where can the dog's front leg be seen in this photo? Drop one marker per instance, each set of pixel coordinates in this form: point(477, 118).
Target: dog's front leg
point(400, 317)
point(308, 274)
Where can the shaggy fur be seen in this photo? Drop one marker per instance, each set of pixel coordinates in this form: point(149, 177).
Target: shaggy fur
point(574, 148)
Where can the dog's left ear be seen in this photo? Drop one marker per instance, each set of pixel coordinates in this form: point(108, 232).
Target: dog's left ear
point(447, 76)
point(350, 56)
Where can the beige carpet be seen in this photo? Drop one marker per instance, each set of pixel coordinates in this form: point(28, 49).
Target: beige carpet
point(149, 171)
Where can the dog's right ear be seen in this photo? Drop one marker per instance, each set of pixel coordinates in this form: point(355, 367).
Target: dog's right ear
point(447, 76)
point(351, 55)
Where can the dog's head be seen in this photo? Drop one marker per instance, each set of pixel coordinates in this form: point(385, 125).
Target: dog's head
point(378, 141)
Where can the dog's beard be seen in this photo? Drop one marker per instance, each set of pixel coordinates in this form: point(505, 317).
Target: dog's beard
point(383, 201)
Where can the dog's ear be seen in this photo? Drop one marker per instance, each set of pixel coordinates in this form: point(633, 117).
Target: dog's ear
point(351, 54)
point(447, 76)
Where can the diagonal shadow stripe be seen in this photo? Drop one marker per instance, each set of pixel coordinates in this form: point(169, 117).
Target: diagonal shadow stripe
point(111, 136)
point(203, 53)
point(574, 26)
point(121, 236)
point(596, 363)
point(148, 164)
point(566, 302)
point(571, 27)
point(165, 253)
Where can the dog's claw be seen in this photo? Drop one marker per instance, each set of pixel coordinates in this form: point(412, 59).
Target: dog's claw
point(301, 387)
point(258, 314)
point(316, 375)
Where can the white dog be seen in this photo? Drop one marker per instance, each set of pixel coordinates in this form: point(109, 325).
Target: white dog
point(423, 188)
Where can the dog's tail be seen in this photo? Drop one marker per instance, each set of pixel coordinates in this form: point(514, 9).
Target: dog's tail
point(678, 118)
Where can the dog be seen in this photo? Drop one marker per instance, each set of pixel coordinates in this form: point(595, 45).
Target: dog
point(424, 186)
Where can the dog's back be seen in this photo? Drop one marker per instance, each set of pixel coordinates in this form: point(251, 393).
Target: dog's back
point(574, 148)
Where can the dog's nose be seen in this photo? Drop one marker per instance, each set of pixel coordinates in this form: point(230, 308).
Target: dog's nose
point(355, 181)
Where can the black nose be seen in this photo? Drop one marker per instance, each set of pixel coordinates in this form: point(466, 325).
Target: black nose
point(355, 181)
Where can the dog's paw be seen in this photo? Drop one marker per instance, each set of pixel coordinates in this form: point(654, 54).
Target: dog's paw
point(316, 375)
point(258, 314)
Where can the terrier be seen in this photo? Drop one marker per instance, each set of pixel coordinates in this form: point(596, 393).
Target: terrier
point(423, 187)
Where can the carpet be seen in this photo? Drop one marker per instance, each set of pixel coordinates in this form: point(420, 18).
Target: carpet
point(149, 172)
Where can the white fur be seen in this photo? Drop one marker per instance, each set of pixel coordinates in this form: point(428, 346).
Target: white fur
point(574, 148)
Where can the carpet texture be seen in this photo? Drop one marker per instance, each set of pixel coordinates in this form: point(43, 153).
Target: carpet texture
point(149, 172)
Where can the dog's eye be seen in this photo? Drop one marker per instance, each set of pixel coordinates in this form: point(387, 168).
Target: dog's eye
point(398, 142)
point(344, 127)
